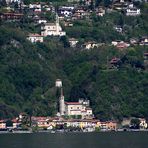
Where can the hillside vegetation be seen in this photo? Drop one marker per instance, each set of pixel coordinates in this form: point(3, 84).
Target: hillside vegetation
point(29, 71)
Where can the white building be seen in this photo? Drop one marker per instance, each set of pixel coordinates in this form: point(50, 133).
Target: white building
point(52, 29)
point(35, 6)
point(78, 108)
point(90, 45)
point(35, 38)
point(132, 11)
point(73, 42)
point(143, 124)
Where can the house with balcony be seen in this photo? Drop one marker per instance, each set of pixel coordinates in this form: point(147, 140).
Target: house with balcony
point(143, 123)
point(132, 11)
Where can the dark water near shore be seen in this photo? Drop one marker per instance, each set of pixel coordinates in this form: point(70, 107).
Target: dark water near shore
point(75, 140)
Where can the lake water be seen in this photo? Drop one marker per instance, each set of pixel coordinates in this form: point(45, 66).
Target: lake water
point(75, 140)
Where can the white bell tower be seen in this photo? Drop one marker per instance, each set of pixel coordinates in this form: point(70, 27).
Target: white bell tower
point(62, 103)
point(58, 84)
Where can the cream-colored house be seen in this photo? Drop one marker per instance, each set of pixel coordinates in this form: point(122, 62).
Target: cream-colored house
point(79, 108)
point(143, 124)
point(90, 45)
point(132, 11)
point(2, 124)
point(35, 38)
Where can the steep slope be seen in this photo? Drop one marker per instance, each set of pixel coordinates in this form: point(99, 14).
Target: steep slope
point(28, 72)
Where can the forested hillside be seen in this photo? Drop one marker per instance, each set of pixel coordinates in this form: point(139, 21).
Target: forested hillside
point(28, 74)
point(28, 71)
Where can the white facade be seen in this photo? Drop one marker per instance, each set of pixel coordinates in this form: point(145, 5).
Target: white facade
point(35, 38)
point(37, 6)
point(90, 45)
point(73, 108)
point(73, 42)
point(41, 21)
point(143, 124)
point(78, 108)
point(52, 29)
point(132, 11)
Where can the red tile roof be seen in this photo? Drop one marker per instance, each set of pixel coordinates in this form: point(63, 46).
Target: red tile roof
point(34, 35)
point(72, 103)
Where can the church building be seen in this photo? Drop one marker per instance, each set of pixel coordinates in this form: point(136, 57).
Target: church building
point(82, 107)
point(52, 29)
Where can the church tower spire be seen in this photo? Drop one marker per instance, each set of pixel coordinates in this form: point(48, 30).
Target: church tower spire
point(58, 84)
point(62, 103)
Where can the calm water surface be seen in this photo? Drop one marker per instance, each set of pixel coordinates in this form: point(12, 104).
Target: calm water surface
point(75, 140)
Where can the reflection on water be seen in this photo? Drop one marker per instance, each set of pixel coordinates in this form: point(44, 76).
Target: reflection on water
point(75, 140)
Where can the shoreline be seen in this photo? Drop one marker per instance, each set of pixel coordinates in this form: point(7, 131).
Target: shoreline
point(59, 132)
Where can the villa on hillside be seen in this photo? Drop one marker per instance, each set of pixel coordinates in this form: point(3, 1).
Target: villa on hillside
point(132, 11)
point(90, 45)
point(35, 38)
